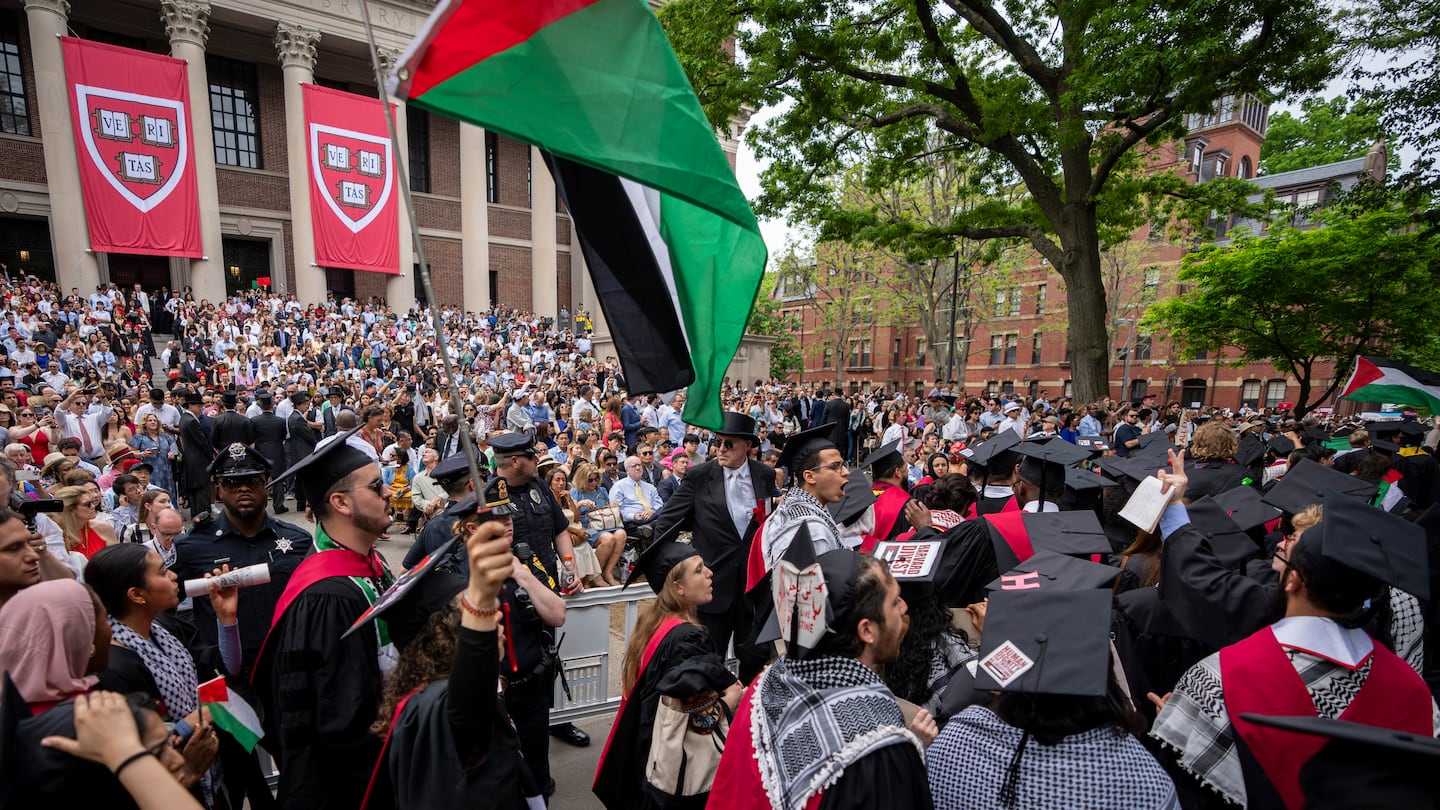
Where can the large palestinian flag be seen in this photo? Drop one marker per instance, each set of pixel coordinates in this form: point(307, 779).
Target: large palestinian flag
point(673, 248)
point(1376, 379)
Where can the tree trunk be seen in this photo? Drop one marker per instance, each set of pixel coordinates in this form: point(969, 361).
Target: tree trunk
point(1087, 332)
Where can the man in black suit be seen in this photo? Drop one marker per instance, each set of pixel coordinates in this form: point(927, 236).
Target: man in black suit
point(196, 454)
point(270, 443)
point(230, 426)
point(719, 501)
point(304, 433)
point(837, 414)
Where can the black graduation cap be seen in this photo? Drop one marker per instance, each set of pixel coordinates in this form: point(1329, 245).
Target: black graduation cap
point(1085, 480)
point(326, 466)
point(1307, 484)
point(885, 457)
point(1413, 429)
point(1346, 431)
point(1153, 445)
point(803, 445)
point(1380, 444)
point(856, 499)
point(1281, 445)
point(1363, 766)
point(1231, 545)
point(809, 596)
point(993, 454)
point(1049, 571)
point(1379, 428)
point(1375, 542)
point(1043, 463)
point(1046, 642)
point(1135, 469)
point(1250, 450)
point(414, 595)
point(655, 562)
point(1094, 444)
point(1314, 435)
point(1074, 533)
point(1245, 507)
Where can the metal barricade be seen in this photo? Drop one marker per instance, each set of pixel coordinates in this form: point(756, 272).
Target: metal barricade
point(590, 657)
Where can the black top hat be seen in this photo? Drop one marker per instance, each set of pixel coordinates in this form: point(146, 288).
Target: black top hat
point(738, 424)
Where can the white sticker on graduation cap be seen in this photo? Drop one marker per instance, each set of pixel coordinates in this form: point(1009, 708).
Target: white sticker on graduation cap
point(1006, 663)
point(908, 560)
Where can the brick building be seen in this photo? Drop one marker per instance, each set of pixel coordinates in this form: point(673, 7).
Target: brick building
point(492, 230)
point(1019, 345)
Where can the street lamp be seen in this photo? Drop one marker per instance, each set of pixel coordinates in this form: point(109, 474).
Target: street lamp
point(1129, 350)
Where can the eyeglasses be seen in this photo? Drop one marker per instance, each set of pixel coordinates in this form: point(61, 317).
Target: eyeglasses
point(89, 504)
point(244, 482)
point(377, 486)
point(834, 466)
point(648, 453)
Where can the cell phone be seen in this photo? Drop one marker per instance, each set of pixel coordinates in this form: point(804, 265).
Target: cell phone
point(27, 475)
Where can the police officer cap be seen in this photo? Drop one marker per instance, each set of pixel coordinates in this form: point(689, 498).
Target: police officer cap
point(450, 469)
point(239, 461)
point(514, 444)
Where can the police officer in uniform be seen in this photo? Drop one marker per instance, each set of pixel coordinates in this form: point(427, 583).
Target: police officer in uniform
point(453, 475)
point(242, 534)
point(541, 541)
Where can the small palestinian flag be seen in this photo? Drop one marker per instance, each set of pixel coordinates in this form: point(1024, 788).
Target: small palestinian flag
point(672, 245)
point(231, 713)
point(1376, 379)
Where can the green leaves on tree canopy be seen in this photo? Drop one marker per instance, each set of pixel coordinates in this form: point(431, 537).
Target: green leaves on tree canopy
point(1324, 132)
point(1067, 99)
point(1361, 284)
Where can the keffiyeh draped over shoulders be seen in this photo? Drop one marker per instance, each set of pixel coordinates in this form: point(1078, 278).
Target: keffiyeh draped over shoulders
point(813, 719)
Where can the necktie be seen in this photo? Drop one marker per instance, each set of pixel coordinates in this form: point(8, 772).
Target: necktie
point(738, 503)
point(640, 493)
point(85, 437)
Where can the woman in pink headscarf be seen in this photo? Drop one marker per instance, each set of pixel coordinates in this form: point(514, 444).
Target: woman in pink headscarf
point(51, 634)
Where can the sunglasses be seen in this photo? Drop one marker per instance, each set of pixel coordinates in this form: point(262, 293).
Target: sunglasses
point(377, 486)
point(244, 482)
point(727, 444)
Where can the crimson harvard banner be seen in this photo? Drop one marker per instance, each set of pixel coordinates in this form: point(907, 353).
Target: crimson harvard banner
point(353, 202)
point(131, 112)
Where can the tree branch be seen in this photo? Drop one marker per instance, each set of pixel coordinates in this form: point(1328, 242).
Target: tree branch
point(983, 17)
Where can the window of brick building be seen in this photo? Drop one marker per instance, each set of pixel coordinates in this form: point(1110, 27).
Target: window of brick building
point(1138, 389)
point(1274, 393)
point(992, 388)
point(920, 352)
point(1142, 348)
point(1069, 389)
point(1012, 342)
point(895, 355)
point(492, 167)
point(1250, 393)
point(417, 137)
point(999, 303)
point(1035, 348)
point(827, 357)
point(1008, 388)
point(1040, 299)
point(997, 349)
point(1015, 301)
point(234, 112)
point(14, 107)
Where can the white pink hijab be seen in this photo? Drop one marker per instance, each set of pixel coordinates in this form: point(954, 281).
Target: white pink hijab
point(46, 635)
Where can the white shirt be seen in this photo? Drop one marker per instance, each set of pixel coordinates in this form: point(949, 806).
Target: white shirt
point(740, 497)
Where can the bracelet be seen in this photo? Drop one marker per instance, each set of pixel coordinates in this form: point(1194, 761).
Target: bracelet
point(144, 752)
point(477, 612)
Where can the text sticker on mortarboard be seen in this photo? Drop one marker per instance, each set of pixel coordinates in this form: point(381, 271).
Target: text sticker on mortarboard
point(908, 560)
point(1020, 582)
point(800, 595)
point(1006, 663)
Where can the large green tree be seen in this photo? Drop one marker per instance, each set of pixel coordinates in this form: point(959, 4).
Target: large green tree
point(1068, 99)
point(1323, 132)
point(1401, 39)
point(1361, 284)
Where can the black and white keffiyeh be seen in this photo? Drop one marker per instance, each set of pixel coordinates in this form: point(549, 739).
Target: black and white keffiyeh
point(799, 507)
point(812, 719)
point(970, 762)
point(1407, 628)
point(168, 662)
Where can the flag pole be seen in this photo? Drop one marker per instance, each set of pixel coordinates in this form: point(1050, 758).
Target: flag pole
point(467, 445)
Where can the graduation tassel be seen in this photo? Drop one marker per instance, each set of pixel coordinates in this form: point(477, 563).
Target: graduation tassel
point(1010, 789)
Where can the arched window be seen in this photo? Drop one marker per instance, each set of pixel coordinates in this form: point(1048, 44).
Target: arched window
point(1243, 170)
point(1192, 393)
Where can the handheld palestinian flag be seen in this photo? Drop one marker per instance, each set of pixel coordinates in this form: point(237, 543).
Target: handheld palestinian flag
point(1376, 379)
point(672, 245)
point(231, 713)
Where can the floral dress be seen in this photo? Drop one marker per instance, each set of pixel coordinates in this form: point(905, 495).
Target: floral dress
point(164, 472)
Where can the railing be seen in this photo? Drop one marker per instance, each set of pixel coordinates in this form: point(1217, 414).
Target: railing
point(586, 655)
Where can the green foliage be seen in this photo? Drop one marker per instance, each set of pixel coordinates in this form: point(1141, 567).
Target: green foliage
point(1324, 132)
point(1362, 283)
point(1402, 77)
point(767, 320)
point(1058, 99)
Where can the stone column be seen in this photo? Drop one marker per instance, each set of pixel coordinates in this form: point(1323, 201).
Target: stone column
point(474, 219)
point(75, 265)
point(400, 290)
point(295, 45)
point(544, 281)
point(187, 22)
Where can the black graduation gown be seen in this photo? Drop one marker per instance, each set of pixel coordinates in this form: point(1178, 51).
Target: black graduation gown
point(970, 559)
point(321, 694)
point(456, 749)
point(1213, 604)
point(620, 777)
point(1212, 477)
point(891, 777)
point(46, 778)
